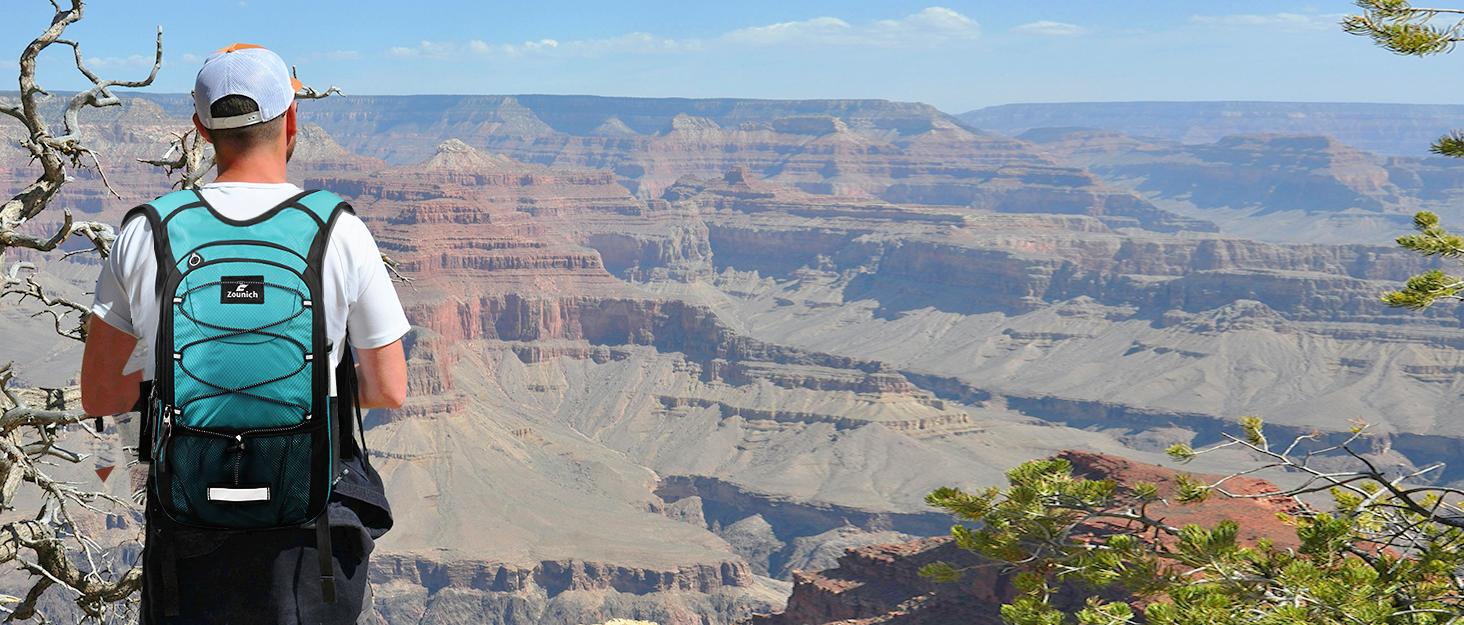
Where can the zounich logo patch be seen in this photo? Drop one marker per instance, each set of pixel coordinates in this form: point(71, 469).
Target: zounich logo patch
point(241, 290)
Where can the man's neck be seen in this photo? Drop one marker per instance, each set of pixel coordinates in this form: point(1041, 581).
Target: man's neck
point(259, 166)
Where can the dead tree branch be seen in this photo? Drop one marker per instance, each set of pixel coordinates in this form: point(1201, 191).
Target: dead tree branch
point(188, 152)
point(309, 93)
point(54, 547)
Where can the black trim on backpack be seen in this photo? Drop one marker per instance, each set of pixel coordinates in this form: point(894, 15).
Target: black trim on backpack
point(161, 247)
point(292, 201)
point(349, 403)
point(318, 248)
point(259, 243)
point(360, 488)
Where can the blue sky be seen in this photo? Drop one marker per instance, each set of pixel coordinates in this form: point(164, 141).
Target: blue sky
point(956, 55)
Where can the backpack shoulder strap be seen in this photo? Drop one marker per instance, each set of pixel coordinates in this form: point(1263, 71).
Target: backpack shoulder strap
point(326, 207)
point(157, 213)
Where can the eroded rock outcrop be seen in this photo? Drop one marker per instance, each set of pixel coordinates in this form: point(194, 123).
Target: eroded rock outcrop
point(882, 583)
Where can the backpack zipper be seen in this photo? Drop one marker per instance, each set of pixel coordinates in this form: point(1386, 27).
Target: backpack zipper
point(236, 441)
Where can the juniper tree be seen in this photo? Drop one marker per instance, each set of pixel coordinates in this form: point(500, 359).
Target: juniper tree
point(1389, 552)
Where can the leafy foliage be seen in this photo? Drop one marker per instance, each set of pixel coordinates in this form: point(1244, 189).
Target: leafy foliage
point(1387, 553)
point(1421, 291)
point(1402, 28)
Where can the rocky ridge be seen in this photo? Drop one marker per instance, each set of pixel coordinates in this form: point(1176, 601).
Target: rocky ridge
point(1389, 129)
point(1270, 187)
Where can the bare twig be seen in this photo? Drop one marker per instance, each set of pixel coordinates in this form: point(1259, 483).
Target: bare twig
point(391, 267)
point(192, 156)
point(309, 93)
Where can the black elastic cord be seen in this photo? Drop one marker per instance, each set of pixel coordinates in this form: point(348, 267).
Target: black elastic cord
point(232, 332)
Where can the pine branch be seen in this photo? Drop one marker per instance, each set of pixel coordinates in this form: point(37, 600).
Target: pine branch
point(1451, 144)
point(1401, 28)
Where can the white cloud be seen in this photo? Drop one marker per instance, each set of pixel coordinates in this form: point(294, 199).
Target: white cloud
point(633, 43)
point(427, 49)
point(343, 55)
point(930, 27)
point(1278, 21)
point(1054, 29)
point(819, 30)
point(191, 58)
point(115, 62)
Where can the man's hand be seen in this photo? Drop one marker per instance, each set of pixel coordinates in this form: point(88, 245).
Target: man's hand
point(104, 389)
point(382, 373)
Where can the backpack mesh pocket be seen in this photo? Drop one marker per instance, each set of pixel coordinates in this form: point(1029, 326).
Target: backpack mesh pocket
point(276, 463)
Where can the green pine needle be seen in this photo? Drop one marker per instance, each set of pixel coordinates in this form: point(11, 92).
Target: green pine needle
point(1451, 144)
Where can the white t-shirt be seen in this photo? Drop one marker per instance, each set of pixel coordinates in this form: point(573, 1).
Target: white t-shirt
point(358, 292)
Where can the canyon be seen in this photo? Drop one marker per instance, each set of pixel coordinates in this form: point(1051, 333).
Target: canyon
point(669, 357)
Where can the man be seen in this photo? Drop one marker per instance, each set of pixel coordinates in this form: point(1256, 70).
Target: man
point(244, 103)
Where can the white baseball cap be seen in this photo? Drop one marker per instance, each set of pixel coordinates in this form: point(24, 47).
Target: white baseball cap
point(247, 70)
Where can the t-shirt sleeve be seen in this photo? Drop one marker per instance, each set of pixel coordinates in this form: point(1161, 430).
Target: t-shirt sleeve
point(376, 318)
point(110, 301)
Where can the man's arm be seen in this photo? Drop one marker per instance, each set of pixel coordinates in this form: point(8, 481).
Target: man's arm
point(104, 389)
point(382, 373)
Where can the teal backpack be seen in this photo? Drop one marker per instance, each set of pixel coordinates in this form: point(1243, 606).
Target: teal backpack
point(241, 426)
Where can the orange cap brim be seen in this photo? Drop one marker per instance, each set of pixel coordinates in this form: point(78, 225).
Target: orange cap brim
point(238, 46)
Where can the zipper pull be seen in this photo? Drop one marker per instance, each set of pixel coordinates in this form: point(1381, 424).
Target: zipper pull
point(162, 449)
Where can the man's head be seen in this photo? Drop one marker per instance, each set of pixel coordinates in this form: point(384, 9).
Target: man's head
point(244, 101)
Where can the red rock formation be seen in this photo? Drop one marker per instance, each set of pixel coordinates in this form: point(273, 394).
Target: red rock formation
point(882, 584)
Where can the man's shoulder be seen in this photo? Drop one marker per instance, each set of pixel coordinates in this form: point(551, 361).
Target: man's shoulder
point(167, 202)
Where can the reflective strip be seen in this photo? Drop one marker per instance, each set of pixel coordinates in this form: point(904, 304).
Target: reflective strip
point(238, 495)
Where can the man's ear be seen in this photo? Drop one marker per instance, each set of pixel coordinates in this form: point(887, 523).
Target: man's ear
point(290, 126)
point(202, 132)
